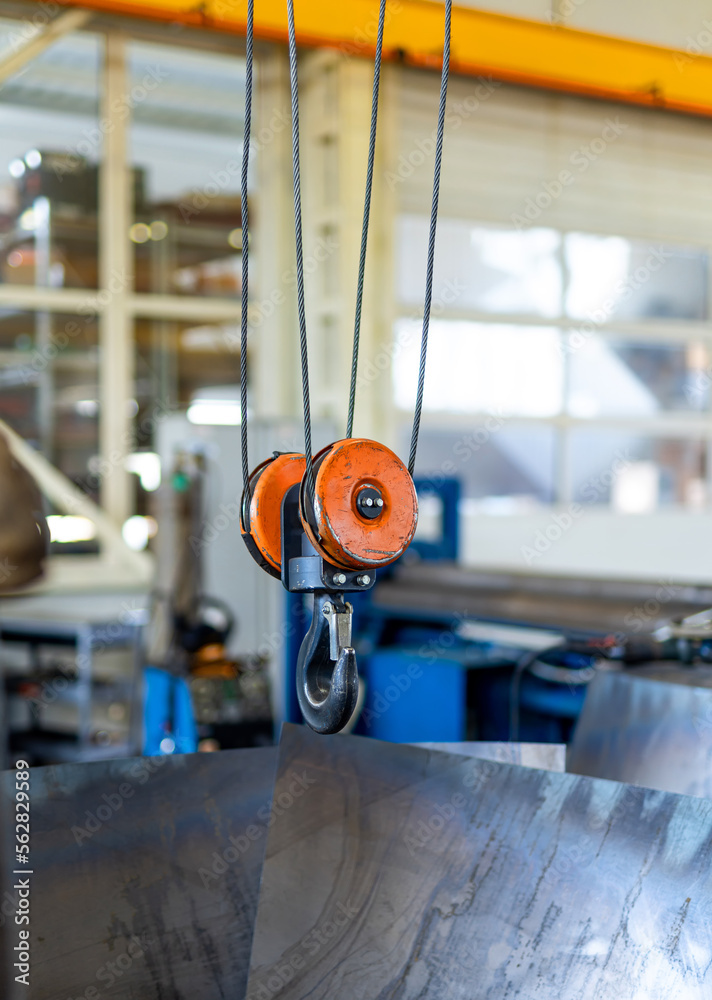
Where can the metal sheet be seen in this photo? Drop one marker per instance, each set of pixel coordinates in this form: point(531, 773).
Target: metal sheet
point(407, 873)
point(137, 889)
point(674, 672)
point(547, 756)
point(646, 732)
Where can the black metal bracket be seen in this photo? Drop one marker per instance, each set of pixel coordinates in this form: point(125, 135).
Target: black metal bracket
point(327, 673)
point(304, 571)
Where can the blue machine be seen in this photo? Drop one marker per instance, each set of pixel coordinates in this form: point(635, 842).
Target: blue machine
point(169, 723)
point(425, 682)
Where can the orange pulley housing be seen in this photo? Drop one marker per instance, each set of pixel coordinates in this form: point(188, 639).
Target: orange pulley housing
point(261, 522)
point(365, 509)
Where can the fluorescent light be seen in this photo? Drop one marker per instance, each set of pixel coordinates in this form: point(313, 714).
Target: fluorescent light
point(137, 530)
point(16, 168)
point(70, 528)
point(158, 230)
point(33, 158)
point(147, 466)
point(139, 232)
point(27, 220)
point(224, 412)
point(87, 407)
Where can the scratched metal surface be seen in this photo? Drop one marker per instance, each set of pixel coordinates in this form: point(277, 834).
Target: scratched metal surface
point(656, 733)
point(133, 911)
point(548, 756)
point(674, 672)
point(537, 885)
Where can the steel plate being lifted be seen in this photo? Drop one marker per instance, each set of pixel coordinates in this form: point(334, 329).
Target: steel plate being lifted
point(145, 875)
point(547, 756)
point(406, 873)
point(656, 733)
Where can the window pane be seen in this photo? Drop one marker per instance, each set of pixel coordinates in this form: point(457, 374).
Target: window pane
point(186, 142)
point(479, 368)
point(49, 387)
point(634, 473)
point(505, 469)
point(49, 153)
point(178, 361)
point(631, 378)
point(613, 277)
point(492, 270)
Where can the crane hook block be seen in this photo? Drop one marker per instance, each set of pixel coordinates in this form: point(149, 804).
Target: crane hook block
point(364, 511)
point(261, 517)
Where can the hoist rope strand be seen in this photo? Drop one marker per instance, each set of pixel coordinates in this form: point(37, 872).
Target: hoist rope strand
point(299, 249)
point(366, 215)
point(431, 240)
point(245, 226)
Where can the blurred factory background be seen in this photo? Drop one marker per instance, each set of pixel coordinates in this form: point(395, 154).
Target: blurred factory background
point(564, 471)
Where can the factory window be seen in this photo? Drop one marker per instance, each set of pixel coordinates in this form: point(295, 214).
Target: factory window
point(49, 159)
point(48, 165)
point(185, 147)
point(179, 114)
point(185, 138)
point(558, 361)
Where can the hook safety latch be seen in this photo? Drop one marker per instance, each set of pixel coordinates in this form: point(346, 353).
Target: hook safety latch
point(327, 676)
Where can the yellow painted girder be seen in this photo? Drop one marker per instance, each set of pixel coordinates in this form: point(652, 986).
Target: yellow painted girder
point(508, 48)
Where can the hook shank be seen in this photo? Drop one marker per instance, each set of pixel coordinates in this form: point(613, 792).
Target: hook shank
point(327, 674)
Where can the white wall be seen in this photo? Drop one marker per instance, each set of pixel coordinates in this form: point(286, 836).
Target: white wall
point(664, 547)
point(661, 22)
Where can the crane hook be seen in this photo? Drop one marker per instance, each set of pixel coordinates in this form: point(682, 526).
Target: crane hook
point(327, 675)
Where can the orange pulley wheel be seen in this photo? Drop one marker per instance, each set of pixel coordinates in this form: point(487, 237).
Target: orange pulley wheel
point(365, 509)
point(261, 523)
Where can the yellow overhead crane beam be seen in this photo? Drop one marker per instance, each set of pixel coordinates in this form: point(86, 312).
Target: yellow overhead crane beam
point(508, 48)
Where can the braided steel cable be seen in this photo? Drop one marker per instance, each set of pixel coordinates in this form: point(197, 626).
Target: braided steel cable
point(245, 225)
point(366, 216)
point(300, 249)
point(431, 239)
